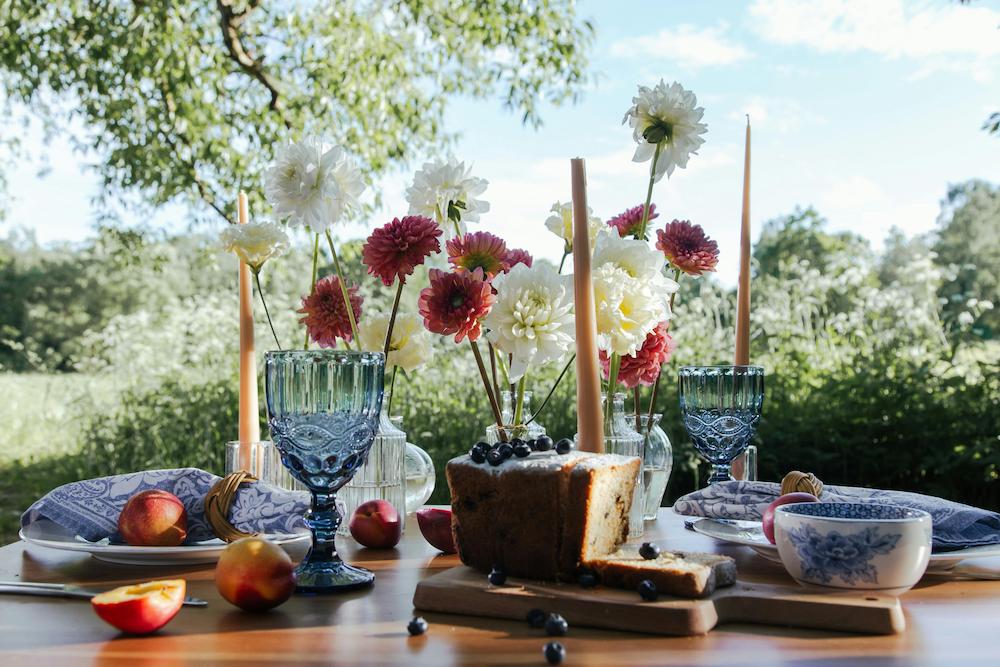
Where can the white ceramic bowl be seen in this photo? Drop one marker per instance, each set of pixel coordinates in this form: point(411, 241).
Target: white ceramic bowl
point(853, 545)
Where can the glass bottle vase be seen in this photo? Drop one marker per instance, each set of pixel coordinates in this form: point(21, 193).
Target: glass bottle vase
point(512, 430)
point(657, 463)
point(382, 476)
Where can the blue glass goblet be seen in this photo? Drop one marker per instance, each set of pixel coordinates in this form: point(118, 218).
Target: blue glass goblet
point(323, 409)
point(720, 407)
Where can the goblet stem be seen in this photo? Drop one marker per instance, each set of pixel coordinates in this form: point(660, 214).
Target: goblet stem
point(323, 519)
point(720, 473)
point(322, 570)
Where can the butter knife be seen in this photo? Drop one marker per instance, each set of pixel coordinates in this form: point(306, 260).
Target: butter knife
point(68, 591)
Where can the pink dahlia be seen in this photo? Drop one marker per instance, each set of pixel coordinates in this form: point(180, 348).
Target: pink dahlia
point(478, 250)
point(687, 247)
point(643, 366)
point(517, 256)
point(627, 223)
point(396, 248)
point(325, 312)
point(455, 303)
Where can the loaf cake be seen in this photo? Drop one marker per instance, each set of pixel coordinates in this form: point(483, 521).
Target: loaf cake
point(540, 516)
point(681, 574)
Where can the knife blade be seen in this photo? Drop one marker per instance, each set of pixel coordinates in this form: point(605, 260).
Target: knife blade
point(67, 591)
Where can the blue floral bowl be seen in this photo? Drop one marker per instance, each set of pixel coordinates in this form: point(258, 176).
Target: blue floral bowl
point(853, 545)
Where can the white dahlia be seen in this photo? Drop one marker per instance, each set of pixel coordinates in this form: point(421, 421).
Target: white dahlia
point(627, 309)
point(641, 262)
point(668, 117)
point(532, 319)
point(311, 184)
point(447, 191)
point(410, 345)
point(560, 223)
point(255, 242)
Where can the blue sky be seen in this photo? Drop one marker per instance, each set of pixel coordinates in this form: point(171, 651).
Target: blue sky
point(865, 109)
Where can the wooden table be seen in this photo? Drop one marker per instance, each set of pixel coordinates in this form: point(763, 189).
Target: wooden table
point(949, 622)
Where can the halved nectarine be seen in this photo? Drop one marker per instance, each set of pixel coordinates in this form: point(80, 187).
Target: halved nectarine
point(141, 608)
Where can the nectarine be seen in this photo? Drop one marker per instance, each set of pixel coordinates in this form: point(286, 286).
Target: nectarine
point(255, 574)
point(376, 524)
point(142, 608)
point(153, 518)
point(435, 526)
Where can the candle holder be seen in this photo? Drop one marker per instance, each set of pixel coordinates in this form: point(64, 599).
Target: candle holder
point(720, 407)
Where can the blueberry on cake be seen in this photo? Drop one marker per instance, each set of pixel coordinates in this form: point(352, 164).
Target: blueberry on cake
point(539, 516)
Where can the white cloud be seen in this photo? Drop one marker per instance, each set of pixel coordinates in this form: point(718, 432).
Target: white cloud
point(865, 206)
point(940, 37)
point(686, 45)
point(783, 114)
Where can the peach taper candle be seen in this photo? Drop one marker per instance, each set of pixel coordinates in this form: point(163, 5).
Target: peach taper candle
point(742, 356)
point(589, 417)
point(249, 411)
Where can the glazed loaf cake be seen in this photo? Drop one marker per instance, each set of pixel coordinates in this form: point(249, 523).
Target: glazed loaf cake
point(540, 516)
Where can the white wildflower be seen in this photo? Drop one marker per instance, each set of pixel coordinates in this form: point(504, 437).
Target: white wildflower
point(255, 242)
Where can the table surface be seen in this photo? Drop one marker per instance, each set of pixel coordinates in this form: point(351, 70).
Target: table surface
point(949, 622)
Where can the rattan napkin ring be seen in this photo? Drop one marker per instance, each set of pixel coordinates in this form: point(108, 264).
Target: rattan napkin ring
point(218, 502)
point(801, 481)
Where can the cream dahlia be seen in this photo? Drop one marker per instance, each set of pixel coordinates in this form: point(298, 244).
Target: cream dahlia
point(410, 346)
point(643, 365)
point(312, 185)
point(255, 242)
point(665, 118)
point(560, 223)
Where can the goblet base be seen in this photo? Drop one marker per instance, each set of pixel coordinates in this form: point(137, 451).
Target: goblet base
point(331, 577)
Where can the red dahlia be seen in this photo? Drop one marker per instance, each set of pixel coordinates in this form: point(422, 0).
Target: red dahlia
point(627, 223)
point(455, 303)
point(325, 312)
point(517, 256)
point(687, 247)
point(478, 250)
point(396, 248)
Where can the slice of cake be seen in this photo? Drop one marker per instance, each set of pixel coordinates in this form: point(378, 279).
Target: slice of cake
point(681, 574)
point(542, 515)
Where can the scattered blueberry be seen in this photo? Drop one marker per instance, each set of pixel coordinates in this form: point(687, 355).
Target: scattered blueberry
point(417, 626)
point(554, 653)
point(498, 577)
point(543, 443)
point(536, 618)
point(587, 579)
point(533, 445)
point(494, 457)
point(477, 455)
point(522, 450)
point(556, 626)
point(506, 451)
point(564, 446)
point(649, 550)
point(647, 589)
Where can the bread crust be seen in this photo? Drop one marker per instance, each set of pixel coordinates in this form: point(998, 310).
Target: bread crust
point(680, 574)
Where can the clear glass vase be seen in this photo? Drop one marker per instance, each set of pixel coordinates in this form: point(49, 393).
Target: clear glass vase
point(512, 430)
point(419, 474)
point(382, 475)
point(657, 462)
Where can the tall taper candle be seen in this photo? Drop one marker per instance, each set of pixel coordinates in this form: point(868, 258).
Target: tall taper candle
point(589, 416)
point(743, 295)
point(249, 410)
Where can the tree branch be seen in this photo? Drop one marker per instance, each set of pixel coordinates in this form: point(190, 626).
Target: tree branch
point(230, 21)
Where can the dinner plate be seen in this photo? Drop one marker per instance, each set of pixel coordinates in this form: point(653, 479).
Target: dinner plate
point(45, 533)
point(750, 534)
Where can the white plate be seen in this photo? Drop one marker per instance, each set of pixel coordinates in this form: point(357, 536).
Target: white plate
point(750, 534)
point(45, 533)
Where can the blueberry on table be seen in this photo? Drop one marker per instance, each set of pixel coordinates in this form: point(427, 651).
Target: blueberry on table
point(564, 446)
point(543, 443)
point(536, 618)
point(554, 652)
point(494, 457)
point(556, 626)
point(417, 626)
point(647, 589)
point(522, 450)
point(498, 577)
point(477, 455)
point(587, 579)
point(649, 550)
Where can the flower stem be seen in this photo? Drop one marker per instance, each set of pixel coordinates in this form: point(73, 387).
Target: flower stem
point(392, 385)
point(563, 260)
point(641, 234)
point(656, 383)
point(392, 319)
point(343, 290)
point(519, 406)
point(256, 277)
point(636, 402)
point(493, 368)
point(489, 390)
point(312, 283)
point(541, 407)
point(613, 365)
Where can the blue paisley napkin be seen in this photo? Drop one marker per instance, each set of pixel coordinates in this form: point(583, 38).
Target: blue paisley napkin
point(91, 507)
point(956, 526)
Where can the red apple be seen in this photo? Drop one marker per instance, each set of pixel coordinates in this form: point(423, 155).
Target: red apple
point(768, 518)
point(376, 525)
point(141, 608)
point(153, 518)
point(435, 526)
point(255, 574)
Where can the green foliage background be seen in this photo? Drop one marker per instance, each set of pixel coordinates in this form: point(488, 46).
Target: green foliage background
point(882, 369)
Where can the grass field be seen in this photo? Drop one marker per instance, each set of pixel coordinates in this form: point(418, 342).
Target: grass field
point(40, 414)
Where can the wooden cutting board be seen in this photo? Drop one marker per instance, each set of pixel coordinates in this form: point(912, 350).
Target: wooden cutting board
point(462, 590)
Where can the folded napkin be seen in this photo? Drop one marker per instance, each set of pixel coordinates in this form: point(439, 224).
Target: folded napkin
point(956, 526)
point(91, 507)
